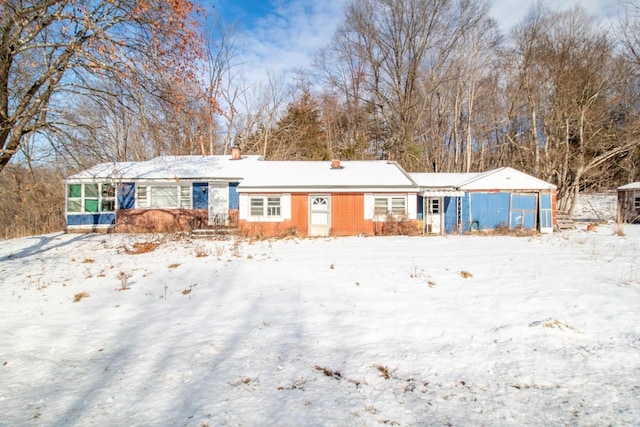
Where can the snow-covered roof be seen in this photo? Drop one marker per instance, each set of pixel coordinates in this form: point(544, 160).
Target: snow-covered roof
point(441, 180)
point(505, 178)
point(172, 167)
point(630, 186)
point(372, 174)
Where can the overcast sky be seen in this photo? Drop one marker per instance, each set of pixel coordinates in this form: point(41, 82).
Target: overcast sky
point(282, 35)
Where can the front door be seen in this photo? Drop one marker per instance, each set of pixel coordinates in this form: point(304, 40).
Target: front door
point(200, 195)
point(218, 203)
point(433, 215)
point(319, 215)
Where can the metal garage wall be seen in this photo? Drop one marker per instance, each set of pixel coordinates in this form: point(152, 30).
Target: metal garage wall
point(489, 210)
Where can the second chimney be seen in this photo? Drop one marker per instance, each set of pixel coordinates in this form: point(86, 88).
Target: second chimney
point(335, 164)
point(235, 152)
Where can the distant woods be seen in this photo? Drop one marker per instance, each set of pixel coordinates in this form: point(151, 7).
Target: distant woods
point(430, 84)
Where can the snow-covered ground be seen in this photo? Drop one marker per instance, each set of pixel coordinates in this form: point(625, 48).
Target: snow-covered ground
point(456, 330)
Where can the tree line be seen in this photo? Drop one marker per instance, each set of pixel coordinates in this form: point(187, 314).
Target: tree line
point(433, 85)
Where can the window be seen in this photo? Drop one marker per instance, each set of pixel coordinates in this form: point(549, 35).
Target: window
point(434, 206)
point(636, 203)
point(380, 206)
point(91, 197)
point(273, 206)
point(389, 205)
point(108, 199)
point(74, 198)
point(398, 206)
point(164, 196)
point(257, 207)
point(265, 206)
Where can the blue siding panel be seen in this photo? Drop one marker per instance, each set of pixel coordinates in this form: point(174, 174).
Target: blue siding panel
point(234, 199)
point(450, 214)
point(200, 195)
point(490, 210)
point(521, 202)
point(103, 218)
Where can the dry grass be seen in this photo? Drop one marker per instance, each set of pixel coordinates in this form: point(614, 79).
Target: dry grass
point(555, 323)
point(78, 297)
point(384, 371)
point(466, 274)
point(201, 251)
point(618, 230)
point(142, 248)
point(123, 277)
point(329, 372)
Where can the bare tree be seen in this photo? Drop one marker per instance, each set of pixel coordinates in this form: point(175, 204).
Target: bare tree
point(55, 50)
point(568, 74)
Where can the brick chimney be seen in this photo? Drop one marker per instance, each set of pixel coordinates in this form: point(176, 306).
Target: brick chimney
point(236, 153)
point(335, 164)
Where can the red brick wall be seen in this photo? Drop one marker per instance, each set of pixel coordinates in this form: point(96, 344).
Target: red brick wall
point(300, 212)
point(347, 218)
point(159, 220)
point(347, 215)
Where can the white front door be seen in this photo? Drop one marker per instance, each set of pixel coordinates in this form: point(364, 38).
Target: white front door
point(433, 216)
point(319, 215)
point(218, 203)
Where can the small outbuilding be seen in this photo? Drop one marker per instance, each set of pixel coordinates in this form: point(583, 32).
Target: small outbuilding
point(500, 198)
point(629, 203)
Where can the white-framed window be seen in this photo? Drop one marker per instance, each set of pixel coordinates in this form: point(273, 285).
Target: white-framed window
point(91, 197)
point(268, 206)
point(389, 205)
point(636, 202)
point(164, 196)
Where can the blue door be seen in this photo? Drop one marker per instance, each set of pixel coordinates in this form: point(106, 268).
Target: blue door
point(523, 211)
point(200, 195)
point(126, 195)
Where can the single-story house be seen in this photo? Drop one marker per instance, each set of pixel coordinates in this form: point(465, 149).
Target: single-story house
point(319, 198)
point(504, 197)
point(629, 203)
point(315, 198)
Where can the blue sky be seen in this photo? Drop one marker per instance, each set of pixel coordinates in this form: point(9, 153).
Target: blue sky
point(279, 36)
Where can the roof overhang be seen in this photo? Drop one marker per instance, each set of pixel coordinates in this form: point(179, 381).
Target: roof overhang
point(443, 193)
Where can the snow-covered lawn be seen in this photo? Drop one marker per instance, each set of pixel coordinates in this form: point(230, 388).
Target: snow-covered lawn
point(457, 330)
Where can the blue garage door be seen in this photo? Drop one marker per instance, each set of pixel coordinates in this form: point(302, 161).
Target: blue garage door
point(489, 210)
